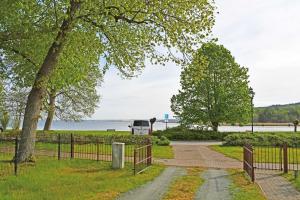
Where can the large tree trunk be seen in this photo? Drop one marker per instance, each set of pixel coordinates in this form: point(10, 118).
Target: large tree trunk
point(215, 126)
point(36, 95)
point(51, 111)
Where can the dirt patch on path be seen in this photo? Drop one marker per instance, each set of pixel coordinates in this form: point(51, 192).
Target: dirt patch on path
point(199, 155)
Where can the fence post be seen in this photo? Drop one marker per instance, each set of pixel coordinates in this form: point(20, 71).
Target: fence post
point(72, 146)
point(149, 152)
point(58, 150)
point(280, 158)
point(97, 150)
point(252, 164)
point(244, 157)
point(16, 154)
point(285, 158)
point(134, 161)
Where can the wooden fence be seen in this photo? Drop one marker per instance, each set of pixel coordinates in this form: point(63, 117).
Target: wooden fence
point(248, 161)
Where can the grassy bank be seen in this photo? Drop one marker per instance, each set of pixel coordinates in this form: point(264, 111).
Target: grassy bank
point(242, 188)
point(291, 177)
point(76, 179)
point(163, 152)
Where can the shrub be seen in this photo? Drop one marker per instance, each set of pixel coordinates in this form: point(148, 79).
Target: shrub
point(277, 139)
point(180, 133)
point(162, 141)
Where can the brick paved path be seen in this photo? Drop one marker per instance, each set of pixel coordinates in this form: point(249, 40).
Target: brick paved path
point(276, 187)
point(199, 155)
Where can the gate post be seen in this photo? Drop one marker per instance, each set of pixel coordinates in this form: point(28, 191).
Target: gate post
point(252, 164)
point(58, 147)
point(16, 154)
point(285, 158)
point(149, 152)
point(72, 146)
point(248, 162)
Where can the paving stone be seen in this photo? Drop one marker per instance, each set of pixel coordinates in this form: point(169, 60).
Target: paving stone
point(215, 187)
point(198, 155)
point(276, 187)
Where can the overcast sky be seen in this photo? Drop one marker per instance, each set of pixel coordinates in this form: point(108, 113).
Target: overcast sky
point(262, 35)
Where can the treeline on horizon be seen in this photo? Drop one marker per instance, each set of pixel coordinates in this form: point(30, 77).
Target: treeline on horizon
point(277, 113)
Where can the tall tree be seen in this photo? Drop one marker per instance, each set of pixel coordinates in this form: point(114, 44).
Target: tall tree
point(214, 89)
point(51, 33)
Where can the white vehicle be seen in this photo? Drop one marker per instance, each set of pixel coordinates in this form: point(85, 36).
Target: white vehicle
point(140, 127)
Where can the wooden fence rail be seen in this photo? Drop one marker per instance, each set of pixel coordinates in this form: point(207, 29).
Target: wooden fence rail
point(248, 161)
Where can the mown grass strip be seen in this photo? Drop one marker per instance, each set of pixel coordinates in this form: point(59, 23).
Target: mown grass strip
point(243, 188)
point(185, 187)
point(163, 152)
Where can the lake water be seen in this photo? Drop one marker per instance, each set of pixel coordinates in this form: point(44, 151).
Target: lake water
point(122, 125)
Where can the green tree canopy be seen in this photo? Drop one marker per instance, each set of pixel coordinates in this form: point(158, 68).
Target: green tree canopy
point(214, 89)
point(59, 33)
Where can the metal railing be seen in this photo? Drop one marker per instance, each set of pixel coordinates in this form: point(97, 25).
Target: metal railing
point(70, 146)
point(142, 158)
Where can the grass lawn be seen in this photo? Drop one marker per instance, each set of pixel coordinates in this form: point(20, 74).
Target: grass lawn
point(163, 152)
point(185, 187)
point(236, 152)
point(242, 188)
point(291, 177)
point(76, 179)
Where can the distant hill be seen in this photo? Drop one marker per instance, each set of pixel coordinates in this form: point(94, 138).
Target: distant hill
point(277, 113)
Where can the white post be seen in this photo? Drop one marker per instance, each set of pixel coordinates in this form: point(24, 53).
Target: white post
point(118, 155)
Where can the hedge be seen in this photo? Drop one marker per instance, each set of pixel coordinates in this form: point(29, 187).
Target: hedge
point(262, 139)
point(179, 133)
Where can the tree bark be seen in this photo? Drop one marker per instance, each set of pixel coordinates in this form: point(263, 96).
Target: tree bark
point(51, 111)
point(37, 93)
point(215, 126)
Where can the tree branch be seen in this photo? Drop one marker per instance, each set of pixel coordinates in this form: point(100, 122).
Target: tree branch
point(24, 56)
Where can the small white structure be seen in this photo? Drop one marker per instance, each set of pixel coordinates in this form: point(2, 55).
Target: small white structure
point(118, 155)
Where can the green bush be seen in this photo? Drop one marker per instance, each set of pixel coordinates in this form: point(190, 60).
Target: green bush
point(277, 139)
point(180, 133)
point(162, 141)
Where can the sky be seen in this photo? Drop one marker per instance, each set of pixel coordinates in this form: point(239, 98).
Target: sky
point(263, 36)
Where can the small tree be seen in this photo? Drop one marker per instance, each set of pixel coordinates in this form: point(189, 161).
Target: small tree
point(214, 89)
point(296, 123)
